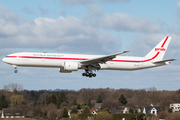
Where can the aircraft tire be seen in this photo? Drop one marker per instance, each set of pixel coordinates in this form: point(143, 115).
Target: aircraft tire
point(94, 75)
point(87, 74)
point(90, 75)
point(84, 74)
point(15, 71)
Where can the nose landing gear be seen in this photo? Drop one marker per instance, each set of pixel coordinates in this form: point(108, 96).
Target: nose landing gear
point(15, 68)
point(15, 71)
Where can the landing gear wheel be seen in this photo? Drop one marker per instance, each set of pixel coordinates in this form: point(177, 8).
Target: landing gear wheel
point(94, 75)
point(87, 74)
point(90, 75)
point(84, 74)
point(15, 71)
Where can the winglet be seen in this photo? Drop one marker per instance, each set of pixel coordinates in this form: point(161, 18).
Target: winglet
point(125, 51)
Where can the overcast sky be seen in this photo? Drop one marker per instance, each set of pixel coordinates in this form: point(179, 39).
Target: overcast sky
point(90, 27)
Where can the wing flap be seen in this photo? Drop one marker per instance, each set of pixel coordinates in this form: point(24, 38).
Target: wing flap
point(101, 59)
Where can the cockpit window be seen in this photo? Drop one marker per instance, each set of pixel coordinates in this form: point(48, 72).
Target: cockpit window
point(7, 56)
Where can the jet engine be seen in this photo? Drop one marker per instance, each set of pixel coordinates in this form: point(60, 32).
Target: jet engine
point(69, 66)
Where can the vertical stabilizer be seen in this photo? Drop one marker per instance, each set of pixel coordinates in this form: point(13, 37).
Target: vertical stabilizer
point(157, 53)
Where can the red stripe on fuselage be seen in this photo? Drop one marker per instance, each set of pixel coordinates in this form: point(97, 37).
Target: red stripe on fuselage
point(34, 57)
point(137, 60)
point(58, 58)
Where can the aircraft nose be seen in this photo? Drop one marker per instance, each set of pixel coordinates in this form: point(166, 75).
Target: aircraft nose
point(4, 60)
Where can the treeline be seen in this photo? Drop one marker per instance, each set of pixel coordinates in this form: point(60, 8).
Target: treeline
point(13, 95)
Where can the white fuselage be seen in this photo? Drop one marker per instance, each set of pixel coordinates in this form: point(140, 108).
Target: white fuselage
point(54, 60)
point(72, 62)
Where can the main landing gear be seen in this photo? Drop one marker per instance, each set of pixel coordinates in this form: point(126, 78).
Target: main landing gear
point(89, 74)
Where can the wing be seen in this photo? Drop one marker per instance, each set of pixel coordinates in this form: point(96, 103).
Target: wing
point(101, 59)
point(163, 61)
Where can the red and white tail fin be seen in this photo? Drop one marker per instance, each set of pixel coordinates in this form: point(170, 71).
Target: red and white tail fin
point(157, 53)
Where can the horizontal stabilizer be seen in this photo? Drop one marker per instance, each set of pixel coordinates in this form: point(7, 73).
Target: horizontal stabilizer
point(163, 61)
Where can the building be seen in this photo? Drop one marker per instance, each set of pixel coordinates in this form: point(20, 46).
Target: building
point(175, 107)
point(126, 110)
point(152, 110)
point(12, 113)
point(97, 106)
point(93, 112)
point(115, 111)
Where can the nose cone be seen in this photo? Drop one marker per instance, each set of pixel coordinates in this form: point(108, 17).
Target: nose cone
point(3, 59)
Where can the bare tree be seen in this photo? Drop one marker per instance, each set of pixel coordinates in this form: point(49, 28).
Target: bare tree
point(140, 98)
point(52, 113)
point(13, 87)
point(42, 97)
point(72, 97)
point(165, 105)
point(175, 116)
point(17, 100)
point(152, 89)
point(110, 104)
point(65, 104)
point(163, 114)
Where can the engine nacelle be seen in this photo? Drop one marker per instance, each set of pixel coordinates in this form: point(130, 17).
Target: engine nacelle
point(64, 71)
point(70, 66)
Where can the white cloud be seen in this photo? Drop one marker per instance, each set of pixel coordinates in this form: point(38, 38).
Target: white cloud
point(120, 21)
point(177, 19)
point(178, 7)
point(124, 22)
point(7, 15)
point(76, 34)
point(95, 10)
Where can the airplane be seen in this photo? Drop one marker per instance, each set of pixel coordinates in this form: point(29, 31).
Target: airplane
point(72, 62)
